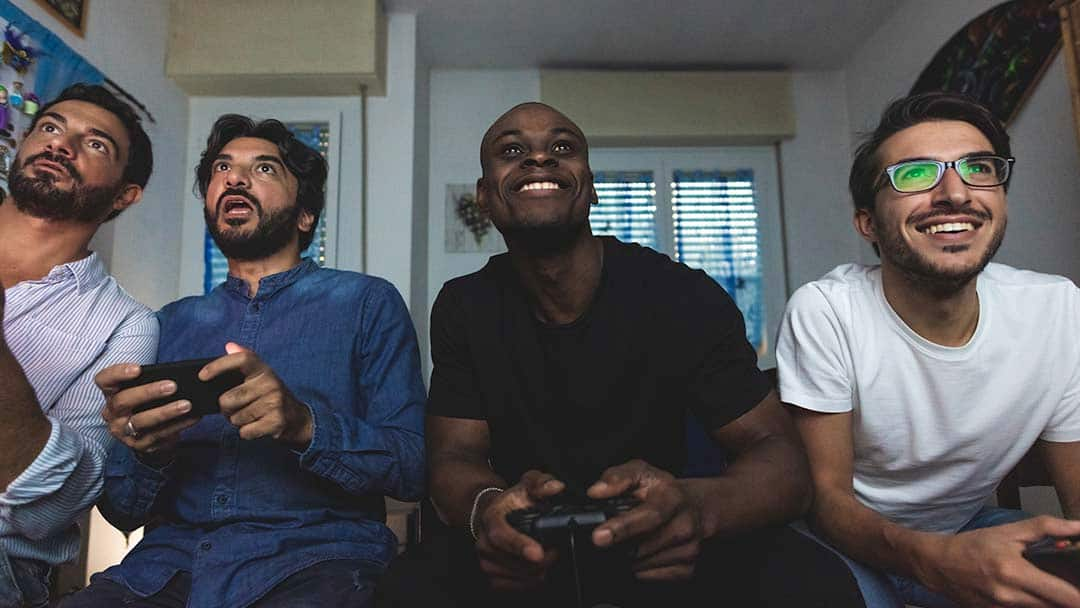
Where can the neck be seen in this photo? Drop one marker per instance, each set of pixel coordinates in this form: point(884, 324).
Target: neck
point(30, 247)
point(562, 283)
point(947, 319)
point(253, 271)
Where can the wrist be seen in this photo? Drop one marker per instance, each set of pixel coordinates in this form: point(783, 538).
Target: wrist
point(919, 553)
point(479, 505)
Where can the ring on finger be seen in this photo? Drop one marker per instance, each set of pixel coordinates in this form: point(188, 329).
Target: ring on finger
point(130, 430)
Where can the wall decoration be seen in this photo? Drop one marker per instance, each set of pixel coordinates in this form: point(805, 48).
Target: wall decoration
point(72, 13)
point(468, 228)
point(997, 57)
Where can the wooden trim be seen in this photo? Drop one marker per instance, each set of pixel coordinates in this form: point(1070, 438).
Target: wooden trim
point(1069, 11)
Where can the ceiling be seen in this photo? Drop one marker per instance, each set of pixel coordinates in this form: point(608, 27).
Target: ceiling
point(672, 34)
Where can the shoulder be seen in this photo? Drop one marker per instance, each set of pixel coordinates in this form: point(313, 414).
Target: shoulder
point(118, 308)
point(837, 288)
point(631, 265)
point(1007, 277)
point(478, 286)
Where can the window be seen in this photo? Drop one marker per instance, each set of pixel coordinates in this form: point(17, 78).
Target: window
point(716, 209)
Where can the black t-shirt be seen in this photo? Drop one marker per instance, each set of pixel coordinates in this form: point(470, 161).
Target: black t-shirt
point(658, 342)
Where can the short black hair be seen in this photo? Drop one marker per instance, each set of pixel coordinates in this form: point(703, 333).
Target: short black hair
point(140, 161)
point(908, 112)
point(306, 164)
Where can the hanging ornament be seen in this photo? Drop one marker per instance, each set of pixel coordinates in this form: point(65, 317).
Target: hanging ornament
point(30, 104)
point(16, 96)
point(17, 52)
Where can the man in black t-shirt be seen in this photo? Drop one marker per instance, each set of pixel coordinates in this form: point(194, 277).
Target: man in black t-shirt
point(570, 365)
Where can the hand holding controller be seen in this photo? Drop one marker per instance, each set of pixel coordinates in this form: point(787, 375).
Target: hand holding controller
point(553, 521)
point(1059, 556)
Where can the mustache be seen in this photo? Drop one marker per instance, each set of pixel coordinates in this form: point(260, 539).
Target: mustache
point(951, 210)
point(56, 158)
point(251, 198)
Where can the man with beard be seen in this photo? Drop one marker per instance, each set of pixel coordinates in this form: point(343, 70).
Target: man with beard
point(919, 383)
point(279, 500)
point(84, 159)
point(566, 369)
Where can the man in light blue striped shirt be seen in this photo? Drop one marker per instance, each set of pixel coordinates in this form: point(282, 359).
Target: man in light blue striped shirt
point(84, 160)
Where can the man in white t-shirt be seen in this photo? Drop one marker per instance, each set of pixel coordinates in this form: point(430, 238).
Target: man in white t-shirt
point(919, 383)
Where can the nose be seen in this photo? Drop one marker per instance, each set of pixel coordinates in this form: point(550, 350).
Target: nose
point(539, 158)
point(60, 145)
point(952, 189)
point(236, 176)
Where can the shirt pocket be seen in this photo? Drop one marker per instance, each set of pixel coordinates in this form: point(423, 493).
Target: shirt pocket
point(51, 359)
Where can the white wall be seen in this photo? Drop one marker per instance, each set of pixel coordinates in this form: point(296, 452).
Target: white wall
point(389, 134)
point(125, 39)
point(1043, 214)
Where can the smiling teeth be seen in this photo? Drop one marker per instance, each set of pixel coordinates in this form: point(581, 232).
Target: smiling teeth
point(950, 227)
point(539, 186)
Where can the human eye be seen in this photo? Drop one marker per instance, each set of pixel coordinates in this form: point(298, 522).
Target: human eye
point(98, 145)
point(221, 166)
point(48, 127)
point(562, 147)
point(511, 150)
point(265, 169)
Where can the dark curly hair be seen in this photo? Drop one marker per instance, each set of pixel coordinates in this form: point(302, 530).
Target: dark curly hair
point(140, 161)
point(306, 164)
point(908, 112)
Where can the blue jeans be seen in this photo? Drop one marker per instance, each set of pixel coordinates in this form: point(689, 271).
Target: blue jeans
point(338, 582)
point(23, 582)
point(883, 590)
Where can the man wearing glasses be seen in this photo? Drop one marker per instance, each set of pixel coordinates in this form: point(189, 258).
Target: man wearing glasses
point(920, 382)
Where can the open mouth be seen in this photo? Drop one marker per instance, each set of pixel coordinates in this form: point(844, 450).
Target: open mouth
point(949, 227)
point(236, 207)
point(540, 184)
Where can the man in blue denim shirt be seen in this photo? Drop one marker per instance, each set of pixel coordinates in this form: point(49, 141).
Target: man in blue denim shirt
point(279, 500)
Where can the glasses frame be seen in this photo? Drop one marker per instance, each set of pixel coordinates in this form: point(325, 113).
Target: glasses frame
point(943, 166)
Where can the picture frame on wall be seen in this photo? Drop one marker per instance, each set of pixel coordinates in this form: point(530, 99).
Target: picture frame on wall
point(72, 13)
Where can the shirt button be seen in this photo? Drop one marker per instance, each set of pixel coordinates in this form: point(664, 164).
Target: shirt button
point(221, 499)
point(256, 306)
point(205, 546)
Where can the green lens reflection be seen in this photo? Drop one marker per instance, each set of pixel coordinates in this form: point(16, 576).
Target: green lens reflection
point(914, 176)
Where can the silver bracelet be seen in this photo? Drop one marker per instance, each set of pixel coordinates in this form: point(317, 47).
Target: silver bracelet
point(475, 504)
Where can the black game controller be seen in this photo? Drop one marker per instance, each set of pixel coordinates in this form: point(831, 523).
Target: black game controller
point(1058, 556)
point(554, 520)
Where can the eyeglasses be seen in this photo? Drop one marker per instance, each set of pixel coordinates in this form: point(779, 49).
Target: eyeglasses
point(921, 175)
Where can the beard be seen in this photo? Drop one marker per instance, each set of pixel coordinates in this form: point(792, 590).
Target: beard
point(921, 272)
point(272, 234)
point(38, 196)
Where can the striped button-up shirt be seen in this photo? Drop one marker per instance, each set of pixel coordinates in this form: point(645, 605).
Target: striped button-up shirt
point(63, 329)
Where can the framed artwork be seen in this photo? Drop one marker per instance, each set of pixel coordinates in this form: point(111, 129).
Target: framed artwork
point(72, 13)
point(998, 56)
point(468, 228)
point(1070, 36)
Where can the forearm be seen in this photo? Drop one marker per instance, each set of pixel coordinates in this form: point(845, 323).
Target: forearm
point(768, 484)
point(25, 429)
point(870, 538)
point(455, 480)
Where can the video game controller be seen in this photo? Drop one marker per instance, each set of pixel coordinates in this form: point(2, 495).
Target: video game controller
point(553, 520)
point(1059, 556)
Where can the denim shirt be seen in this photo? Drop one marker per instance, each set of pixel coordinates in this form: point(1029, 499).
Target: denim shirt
point(240, 515)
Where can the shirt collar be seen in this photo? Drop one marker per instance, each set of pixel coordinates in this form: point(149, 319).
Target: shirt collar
point(271, 284)
point(88, 272)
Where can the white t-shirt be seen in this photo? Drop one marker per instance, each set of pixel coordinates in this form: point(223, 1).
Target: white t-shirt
point(935, 428)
